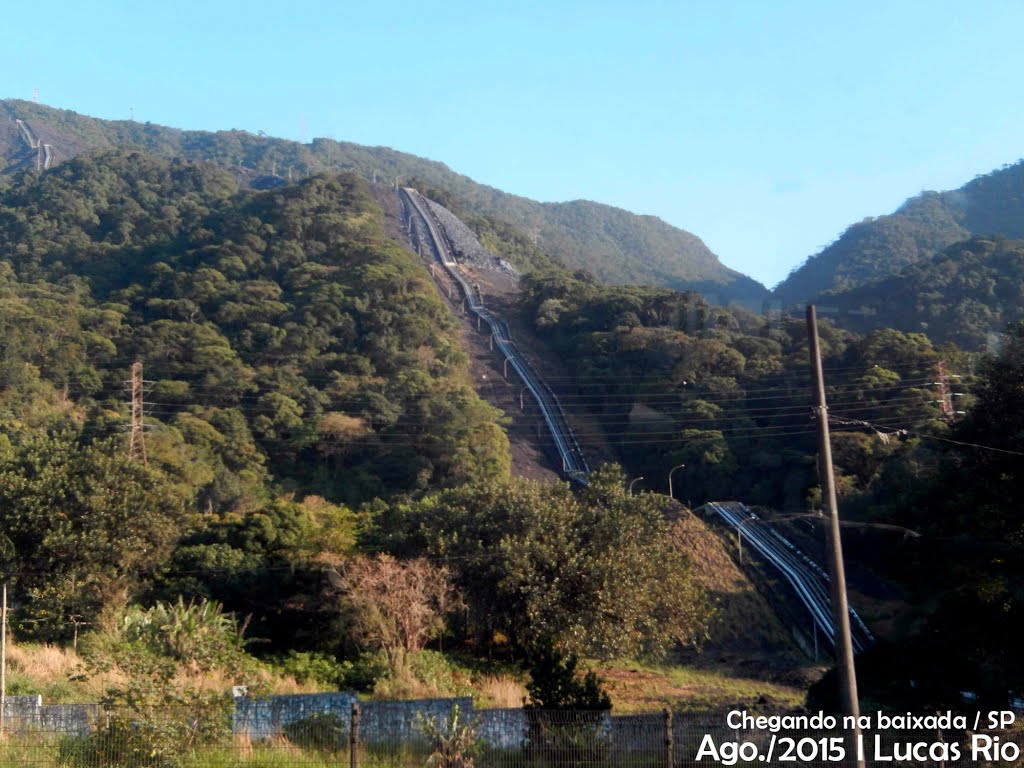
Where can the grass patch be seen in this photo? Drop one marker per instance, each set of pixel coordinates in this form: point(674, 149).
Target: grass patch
point(434, 674)
point(639, 687)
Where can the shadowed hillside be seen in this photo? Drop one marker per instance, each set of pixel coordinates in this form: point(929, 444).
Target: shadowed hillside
point(965, 295)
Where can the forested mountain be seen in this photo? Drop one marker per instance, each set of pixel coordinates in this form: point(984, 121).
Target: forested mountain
point(284, 335)
point(615, 245)
point(298, 363)
point(966, 295)
point(880, 247)
point(933, 502)
point(672, 379)
point(300, 366)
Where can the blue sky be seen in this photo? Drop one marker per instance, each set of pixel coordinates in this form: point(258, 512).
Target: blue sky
point(764, 127)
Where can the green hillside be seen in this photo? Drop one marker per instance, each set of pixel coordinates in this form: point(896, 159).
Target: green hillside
point(615, 245)
point(673, 380)
point(314, 440)
point(308, 409)
point(285, 336)
point(965, 295)
point(880, 247)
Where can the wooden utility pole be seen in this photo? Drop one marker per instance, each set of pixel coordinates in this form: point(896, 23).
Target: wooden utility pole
point(137, 442)
point(834, 550)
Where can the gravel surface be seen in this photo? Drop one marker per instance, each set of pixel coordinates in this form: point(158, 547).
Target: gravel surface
point(467, 248)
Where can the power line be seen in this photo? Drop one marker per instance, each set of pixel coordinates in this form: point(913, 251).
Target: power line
point(909, 432)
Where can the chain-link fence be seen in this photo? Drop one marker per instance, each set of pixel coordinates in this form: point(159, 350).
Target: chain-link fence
point(443, 734)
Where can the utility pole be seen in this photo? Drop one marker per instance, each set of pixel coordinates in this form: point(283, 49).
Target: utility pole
point(137, 443)
point(834, 551)
point(3, 660)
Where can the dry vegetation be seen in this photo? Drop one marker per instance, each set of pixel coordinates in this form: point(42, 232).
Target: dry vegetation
point(58, 674)
point(743, 619)
point(636, 687)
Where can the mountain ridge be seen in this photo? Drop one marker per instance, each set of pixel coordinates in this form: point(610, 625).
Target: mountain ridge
point(614, 244)
point(877, 248)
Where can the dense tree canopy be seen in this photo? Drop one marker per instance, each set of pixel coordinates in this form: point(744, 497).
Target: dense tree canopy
point(594, 573)
point(963, 575)
point(965, 295)
point(289, 348)
point(81, 527)
point(673, 380)
point(283, 334)
point(616, 244)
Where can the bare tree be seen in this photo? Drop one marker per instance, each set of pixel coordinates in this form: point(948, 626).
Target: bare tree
point(396, 605)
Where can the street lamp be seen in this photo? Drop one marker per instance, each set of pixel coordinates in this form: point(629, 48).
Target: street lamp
point(633, 481)
point(678, 466)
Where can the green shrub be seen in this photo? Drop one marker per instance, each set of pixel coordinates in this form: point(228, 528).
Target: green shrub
point(455, 742)
point(322, 732)
point(555, 684)
point(154, 738)
point(363, 673)
point(315, 667)
point(440, 673)
point(122, 743)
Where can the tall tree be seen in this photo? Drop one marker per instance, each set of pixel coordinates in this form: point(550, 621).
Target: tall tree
point(85, 525)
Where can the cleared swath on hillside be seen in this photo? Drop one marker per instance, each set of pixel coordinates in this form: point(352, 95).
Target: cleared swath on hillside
point(617, 246)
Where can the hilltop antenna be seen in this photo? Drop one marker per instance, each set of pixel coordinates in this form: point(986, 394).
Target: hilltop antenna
point(35, 95)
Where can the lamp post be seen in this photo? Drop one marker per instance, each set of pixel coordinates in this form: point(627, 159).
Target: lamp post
point(678, 466)
point(633, 481)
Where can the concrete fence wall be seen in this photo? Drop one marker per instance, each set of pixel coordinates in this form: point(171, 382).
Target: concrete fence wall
point(23, 713)
point(379, 721)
